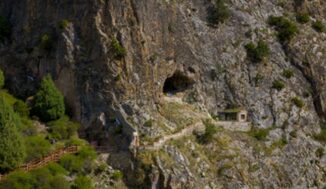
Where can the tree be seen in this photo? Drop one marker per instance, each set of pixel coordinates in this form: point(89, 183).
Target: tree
point(49, 102)
point(12, 149)
point(2, 79)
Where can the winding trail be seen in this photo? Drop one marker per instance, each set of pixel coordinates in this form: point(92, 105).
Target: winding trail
point(186, 131)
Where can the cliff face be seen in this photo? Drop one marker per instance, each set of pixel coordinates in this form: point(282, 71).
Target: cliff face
point(170, 46)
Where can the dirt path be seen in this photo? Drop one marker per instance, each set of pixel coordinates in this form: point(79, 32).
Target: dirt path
point(186, 131)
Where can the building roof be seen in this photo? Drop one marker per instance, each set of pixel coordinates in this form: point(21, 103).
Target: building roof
point(233, 110)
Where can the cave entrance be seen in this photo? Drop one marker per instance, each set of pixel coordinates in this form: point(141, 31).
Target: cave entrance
point(178, 82)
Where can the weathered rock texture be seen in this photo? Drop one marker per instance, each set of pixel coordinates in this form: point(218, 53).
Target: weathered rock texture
point(162, 37)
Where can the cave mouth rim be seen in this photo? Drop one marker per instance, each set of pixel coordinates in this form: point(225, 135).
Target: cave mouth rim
point(177, 82)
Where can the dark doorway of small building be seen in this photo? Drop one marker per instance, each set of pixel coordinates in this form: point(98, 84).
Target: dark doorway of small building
point(178, 82)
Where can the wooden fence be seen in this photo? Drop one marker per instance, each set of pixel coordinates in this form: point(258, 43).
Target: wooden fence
point(53, 157)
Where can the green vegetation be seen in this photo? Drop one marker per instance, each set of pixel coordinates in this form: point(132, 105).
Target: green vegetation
point(36, 147)
point(119, 51)
point(12, 150)
point(148, 123)
point(46, 42)
point(288, 73)
point(303, 18)
point(286, 29)
point(63, 24)
point(219, 14)
point(82, 182)
point(298, 102)
point(2, 79)
point(62, 128)
point(318, 26)
point(117, 175)
point(49, 102)
point(21, 108)
point(5, 29)
point(278, 85)
point(257, 53)
point(322, 135)
point(210, 131)
point(319, 152)
point(259, 134)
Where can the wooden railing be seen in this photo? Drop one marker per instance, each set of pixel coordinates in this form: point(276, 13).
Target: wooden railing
point(53, 157)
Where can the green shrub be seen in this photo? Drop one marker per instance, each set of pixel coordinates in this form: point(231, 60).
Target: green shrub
point(258, 53)
point(318, 26)
point(2, 79)
point(83, 182)
point(117, 175)
point(319, 152)
point(21, 108)
point(210, 131)
point(288, 73)
point(56, 169)
point(286, 29)
point(322, 135)
point(303, 18)
point(259, 134)
point(219, 14)
point(119, 51)
point(82, 162)
point(62, 128)
point(36, 147)
point(148, 123)
point(12, 149)
point(46, 42)
point(63, 24)
point(49, 102)
point(298, 102)
point(18, 180)
point(59, 182)
point(5, 29)
point(278, 85)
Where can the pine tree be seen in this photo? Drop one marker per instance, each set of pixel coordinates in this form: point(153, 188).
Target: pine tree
point(12, 149)
point(49, 102)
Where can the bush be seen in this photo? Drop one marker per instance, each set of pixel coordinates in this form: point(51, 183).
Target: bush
point(219, 13)
point(12, 149)
point(210, 131)
point(117, 175)
point(258, 53)
point(82, 182)
point(63, 24)
point(278, 85)
point(49, 102)
point(21, 108)
point(319, 152)
point(46, 42)
point(2, 79)
point(59, 182)
point(37, 147)
point(318, 26)
point(303, 18)
point(286, 29)
point(260, 134)
point(288, 73)
point(62, 128)
point(5, 29)
point(18, 180)
point(119, 51)
point(298, 102)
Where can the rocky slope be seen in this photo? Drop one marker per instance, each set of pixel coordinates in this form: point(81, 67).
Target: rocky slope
point(171, 43)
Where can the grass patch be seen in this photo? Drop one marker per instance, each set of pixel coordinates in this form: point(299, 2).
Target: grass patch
point(278, 85)
point(259, 134)
point(302, 18)
point(257, 53)
point(288, 73)
point(297, 102)
point(318, 26)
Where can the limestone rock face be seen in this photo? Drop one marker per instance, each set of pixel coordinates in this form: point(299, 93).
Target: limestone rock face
point(210, 71)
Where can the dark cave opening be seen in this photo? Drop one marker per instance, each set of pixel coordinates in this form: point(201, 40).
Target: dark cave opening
point(178, 82)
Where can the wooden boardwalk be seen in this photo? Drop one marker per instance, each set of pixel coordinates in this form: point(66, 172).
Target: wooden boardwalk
point(53, 157)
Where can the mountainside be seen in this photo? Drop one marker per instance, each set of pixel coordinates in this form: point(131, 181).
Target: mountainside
point(165, 69)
